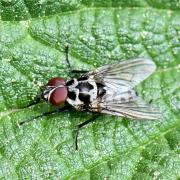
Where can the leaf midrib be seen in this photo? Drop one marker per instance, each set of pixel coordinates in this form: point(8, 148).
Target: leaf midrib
point(94, 8)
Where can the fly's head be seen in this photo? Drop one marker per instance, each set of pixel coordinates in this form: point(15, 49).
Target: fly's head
point(55, 92)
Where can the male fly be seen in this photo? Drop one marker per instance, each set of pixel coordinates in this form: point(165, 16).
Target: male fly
point(108, 89)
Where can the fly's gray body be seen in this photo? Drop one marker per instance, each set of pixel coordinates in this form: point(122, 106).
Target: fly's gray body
point(108, 89)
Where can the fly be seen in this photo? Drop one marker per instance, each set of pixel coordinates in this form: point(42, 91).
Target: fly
point(108, 89)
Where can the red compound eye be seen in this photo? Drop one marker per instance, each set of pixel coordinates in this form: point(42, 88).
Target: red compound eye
point(59, 95)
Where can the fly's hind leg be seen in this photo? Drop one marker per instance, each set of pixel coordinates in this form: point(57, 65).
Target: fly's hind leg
point(92, 119)
point(69, 64)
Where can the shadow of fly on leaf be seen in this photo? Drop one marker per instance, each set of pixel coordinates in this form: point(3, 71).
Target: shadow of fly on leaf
point(108, 89)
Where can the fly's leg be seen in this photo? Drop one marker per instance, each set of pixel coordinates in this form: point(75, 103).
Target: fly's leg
point(150, 101)
point(67, 57)
point(36, 101)
point(79, 71)
point(92, 119)
point(44, 114)
point(69, 64)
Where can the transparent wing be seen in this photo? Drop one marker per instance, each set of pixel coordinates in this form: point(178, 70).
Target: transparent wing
point(124, 75)
point(119, 80)
point(127, 104)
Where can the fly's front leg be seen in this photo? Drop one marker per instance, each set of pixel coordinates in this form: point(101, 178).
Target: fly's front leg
point(34, 102)
point(92, 119)
point(37, 98)
point(69, 64)
point(44, 114)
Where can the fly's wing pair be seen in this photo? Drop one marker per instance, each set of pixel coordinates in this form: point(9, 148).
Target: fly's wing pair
point(119, 80)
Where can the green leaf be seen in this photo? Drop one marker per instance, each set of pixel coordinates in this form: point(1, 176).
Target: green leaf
point(32, 40)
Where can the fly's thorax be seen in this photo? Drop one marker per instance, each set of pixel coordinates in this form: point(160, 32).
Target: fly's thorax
point(81, 91)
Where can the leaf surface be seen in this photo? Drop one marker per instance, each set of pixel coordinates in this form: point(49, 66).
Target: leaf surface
point(32, 40)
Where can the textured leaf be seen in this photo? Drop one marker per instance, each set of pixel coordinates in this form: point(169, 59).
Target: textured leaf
point(32, 40)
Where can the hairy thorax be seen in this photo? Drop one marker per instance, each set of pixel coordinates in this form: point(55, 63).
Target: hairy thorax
point(82, 92)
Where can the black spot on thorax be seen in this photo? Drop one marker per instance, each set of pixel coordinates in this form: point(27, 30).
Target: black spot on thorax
point(84, 98)
point(84, 86)
point(123, 99)
point(83, 78)
point(70, 82)
point(72, 95)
